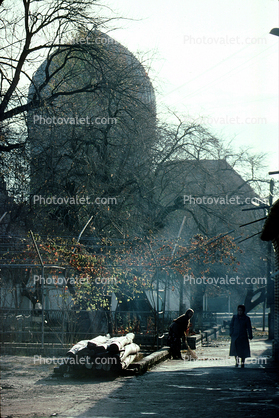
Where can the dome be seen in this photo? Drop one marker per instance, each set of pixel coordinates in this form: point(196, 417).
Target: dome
point(90, 142)
point(117, 54)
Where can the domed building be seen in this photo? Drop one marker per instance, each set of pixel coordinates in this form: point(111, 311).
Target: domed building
point(95, 142)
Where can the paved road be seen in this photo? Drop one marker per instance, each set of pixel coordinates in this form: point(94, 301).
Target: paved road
point(208, 387)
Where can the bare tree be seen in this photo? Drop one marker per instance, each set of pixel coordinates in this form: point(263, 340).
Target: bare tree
point(108, 153)
point(32, 28)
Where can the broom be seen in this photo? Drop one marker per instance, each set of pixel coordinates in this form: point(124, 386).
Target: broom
point(189, 351)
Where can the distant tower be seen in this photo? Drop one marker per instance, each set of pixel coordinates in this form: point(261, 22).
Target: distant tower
point(71, 157)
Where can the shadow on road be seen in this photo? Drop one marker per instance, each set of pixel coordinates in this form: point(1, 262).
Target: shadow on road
point(177, 390)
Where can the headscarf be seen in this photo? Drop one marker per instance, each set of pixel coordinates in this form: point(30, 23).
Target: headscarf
point(183, 321)
point(187, 313)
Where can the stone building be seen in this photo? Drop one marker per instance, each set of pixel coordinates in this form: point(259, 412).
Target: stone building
point(90, 144)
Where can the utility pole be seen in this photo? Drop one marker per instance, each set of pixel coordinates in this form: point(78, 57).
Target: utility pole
point(43, 295)
point(181, 286)
point(268, 297)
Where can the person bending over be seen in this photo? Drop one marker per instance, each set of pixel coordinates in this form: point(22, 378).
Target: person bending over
point(178, 330)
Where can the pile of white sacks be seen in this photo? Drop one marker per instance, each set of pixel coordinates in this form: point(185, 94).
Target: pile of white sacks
point(101, 353)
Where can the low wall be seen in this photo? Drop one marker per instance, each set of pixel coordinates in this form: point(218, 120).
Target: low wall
point(32, 349)
point(207, 335)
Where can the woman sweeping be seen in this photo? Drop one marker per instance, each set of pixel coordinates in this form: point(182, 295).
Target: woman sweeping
point(240, 329)
point(178, 330)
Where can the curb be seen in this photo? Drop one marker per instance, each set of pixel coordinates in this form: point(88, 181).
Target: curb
point(143, 365)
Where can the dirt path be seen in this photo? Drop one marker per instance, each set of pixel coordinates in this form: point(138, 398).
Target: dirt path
point(30, 390)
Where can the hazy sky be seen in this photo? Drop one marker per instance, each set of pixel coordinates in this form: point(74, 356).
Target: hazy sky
point(213, 60)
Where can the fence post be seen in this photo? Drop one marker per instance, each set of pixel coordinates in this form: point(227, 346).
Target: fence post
point(63, 308)
point(43, 309)
point(43, 276)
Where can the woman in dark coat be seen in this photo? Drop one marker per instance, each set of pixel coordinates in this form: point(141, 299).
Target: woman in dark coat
point(240, 329)
point(177, 330)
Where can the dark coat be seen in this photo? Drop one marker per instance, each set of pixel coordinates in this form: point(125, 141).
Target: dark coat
point(176, 332)
point(180, 325)
point(240, 329)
